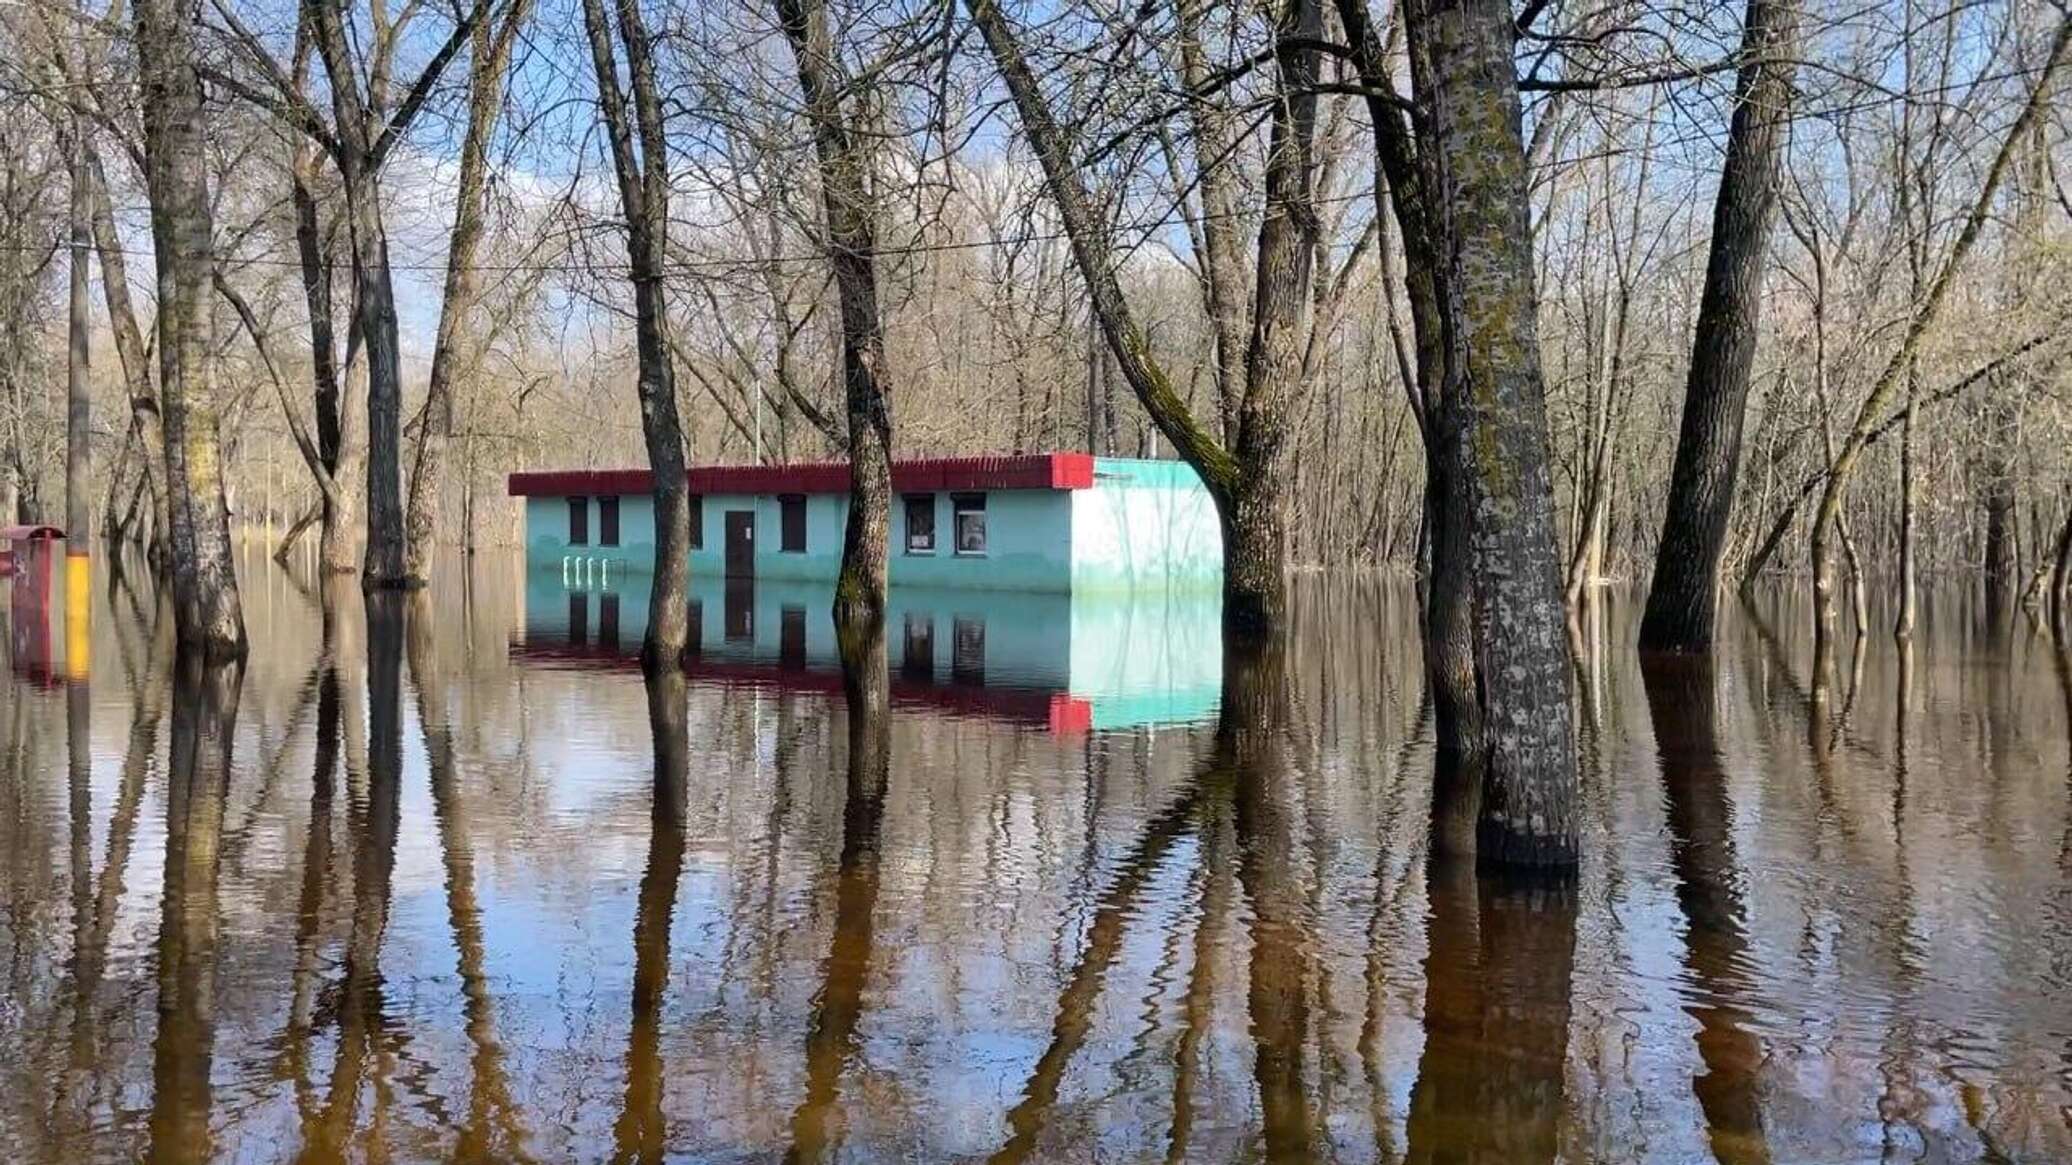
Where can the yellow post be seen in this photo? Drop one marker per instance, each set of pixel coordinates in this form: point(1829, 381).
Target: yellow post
point(78, 588)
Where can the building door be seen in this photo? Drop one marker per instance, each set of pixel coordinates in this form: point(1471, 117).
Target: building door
point(740, 543)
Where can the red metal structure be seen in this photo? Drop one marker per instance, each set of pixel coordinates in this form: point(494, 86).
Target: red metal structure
point(1062, 471)
point(27, 555)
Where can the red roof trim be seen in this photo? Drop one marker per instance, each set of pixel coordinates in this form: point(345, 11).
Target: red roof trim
point(1048, 471)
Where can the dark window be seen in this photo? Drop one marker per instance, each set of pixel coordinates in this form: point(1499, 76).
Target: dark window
point(608, 621)
point(917, 660)
point(579, 521)
point(791, 638)
point(694, 642)
point(607, 521)
point(970, 522)
point(792, 525)
point(920, 523)
point(697, 521)
point(578, 619)
point(968, 651)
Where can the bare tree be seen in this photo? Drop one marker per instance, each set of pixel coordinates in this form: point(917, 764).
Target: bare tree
point(643, 174)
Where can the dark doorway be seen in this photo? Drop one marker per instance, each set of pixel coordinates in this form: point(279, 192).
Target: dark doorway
point(740, 543)
point(791, 638)
point(738, 619)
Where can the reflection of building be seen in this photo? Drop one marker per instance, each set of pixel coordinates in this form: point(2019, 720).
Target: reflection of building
point(1069, 663)
point(1055, 522)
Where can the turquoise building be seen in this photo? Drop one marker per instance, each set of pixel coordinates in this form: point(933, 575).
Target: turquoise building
point(1075, 592)
point(1059, 523)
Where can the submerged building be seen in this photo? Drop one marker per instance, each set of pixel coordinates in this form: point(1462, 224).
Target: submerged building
point(1064, 523)
point(1059, 589)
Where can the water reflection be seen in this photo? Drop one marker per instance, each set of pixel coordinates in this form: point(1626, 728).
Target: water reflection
point(433, 882)
point(205, 701)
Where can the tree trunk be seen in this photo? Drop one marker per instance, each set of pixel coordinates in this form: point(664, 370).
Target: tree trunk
point(644, 196)
point(78, 395)
point(843, 155)
point(454, 352)
point(206, 608)
point(1469, 86)
point(1248, 481)
point(130, 352)
point(1683, 597)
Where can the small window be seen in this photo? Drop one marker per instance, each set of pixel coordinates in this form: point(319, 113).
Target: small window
point(608, 621)
point(697, 521)
point(968, 651)
point(791, 510)
point(578, 619)
point(970, 522)
point(920, 523)
point(917, 660)
point(579, 521)
point(607, 521)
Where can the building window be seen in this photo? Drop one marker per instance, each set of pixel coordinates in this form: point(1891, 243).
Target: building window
point(579, 521)
point(608, 621)
point(791, 511)
point(697, 521)
point(578, 619)
point(969, 522)
point(917, 659)
point(967, 650)
point(920, 523)
point(607, 521)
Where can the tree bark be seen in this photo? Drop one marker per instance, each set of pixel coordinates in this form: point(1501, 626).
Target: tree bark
point(207, 613)
point(644, 196)
point(454, 352)
point(851, 232)
point(1683, 598)
point(1475, 152)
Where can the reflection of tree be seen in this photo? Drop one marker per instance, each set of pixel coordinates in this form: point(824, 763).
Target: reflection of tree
point(375, 819)
point(1252, 757)
point(1497, 974)
point(838, 1006)
point(147, 703)
point(1683, 707)
point(494, 1129)
point(641, 1132)
point(197, 778)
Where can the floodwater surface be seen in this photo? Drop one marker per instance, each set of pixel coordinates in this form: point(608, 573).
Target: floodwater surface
point(438, 878)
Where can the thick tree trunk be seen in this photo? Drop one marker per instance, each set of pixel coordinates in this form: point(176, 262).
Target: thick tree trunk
point(844, 166)
point(78, 386)
point(1222, 252)
point(644, 196)
point(206, 608)
point(454, 353)
point(1683, 598)
point(1475, 152)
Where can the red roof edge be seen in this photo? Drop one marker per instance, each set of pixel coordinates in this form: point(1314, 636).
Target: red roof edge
point(1048, 471)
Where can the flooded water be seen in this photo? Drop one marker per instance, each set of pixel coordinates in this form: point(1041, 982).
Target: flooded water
point(440, 879)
